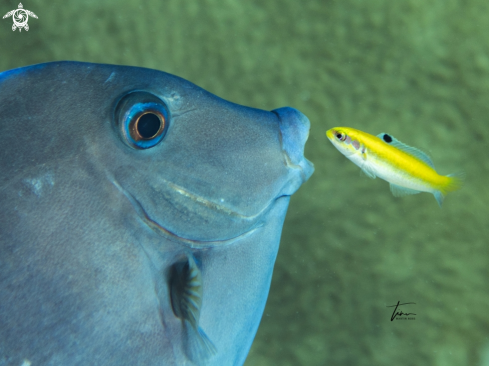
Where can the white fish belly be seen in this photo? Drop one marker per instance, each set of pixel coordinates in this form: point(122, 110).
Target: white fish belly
point(400, 177)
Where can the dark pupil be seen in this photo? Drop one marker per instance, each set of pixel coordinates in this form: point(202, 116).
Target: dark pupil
point(339, 136)
point(148, 125)
point(387, 138)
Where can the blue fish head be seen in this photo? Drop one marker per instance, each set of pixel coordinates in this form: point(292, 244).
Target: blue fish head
point(141, 216)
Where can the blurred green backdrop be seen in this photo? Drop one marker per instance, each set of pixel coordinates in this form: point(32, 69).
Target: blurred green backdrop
point(414, 68)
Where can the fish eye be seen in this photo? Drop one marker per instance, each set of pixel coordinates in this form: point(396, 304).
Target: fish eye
point(341, 136)
point(147, 125)
point(142, 119)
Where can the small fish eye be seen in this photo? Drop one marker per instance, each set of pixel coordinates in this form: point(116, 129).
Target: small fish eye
point(142, 119)
point(341, 136)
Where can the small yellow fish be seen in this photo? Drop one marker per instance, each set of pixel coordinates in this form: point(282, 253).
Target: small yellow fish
point(407, 169)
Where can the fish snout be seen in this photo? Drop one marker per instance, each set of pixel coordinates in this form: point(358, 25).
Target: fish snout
point(294, 129)
point(330, 134)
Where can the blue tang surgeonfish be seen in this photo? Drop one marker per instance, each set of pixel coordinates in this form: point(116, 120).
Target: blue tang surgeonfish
point(140, 216)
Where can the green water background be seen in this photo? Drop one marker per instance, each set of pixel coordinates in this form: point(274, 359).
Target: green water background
point(417, 69)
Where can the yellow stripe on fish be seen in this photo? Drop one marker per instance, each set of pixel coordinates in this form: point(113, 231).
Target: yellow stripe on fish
point(407, 169)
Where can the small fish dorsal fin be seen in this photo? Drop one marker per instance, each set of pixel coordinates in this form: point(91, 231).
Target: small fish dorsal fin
point(418, 154)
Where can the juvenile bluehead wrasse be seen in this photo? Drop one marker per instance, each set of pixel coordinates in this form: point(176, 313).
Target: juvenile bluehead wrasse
point(407, 169)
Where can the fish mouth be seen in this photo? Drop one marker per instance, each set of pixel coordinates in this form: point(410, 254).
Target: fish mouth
point(251, 222)
point(331, 133)
point(345, 148)
point(294, 132)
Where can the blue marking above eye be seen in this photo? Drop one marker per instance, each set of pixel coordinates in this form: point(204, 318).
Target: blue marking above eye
point(143, 119)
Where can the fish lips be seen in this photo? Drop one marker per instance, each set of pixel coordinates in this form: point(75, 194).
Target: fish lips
point(294, 132)
point(345, 148)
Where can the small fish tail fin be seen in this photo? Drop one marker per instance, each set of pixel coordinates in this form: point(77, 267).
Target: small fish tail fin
point(455, 181)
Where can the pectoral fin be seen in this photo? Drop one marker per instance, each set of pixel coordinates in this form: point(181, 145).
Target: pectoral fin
point(186, 298)
point(367, 170)
point(367, 173)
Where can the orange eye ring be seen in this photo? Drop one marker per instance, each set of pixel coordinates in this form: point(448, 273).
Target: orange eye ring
point(142, 119)
point(141, 129)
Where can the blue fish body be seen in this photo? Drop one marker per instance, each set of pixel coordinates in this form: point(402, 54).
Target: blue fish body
point(140, 216)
